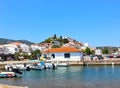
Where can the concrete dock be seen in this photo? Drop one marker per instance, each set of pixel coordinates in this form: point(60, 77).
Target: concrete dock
point(113, 61)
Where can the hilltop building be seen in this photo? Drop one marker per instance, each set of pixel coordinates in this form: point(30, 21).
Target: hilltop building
point(85, 45)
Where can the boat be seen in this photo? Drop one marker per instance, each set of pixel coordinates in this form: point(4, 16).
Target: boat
point(7, 74)
point(62, 64)
point(23, 67)
point(43, 65)
point(35, 67)
point(9, 67)
point(50, 65)
point(14, 73)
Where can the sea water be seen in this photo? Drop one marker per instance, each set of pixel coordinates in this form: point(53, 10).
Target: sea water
point(69, 77)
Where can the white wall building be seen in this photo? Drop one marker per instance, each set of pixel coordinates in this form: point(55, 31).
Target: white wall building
point(85, 45)
point(35, 47)
point(63, 54)
point(25, 48)
point(98, 52)
point(10, 48)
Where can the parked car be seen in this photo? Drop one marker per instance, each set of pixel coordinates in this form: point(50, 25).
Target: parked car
point(100, 57)
point(94, 57)
point(114, 55)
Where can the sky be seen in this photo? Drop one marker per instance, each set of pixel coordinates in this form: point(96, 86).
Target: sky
point(96, 22)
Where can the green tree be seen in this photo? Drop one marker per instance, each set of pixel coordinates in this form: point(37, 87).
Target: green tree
point(114, 50)
point(88, 51)
point(48, 40)
point(92, 52)
point(25, 55)
point(55, 36)
point(60, 37)
point(65, 41)
point(17, 54)
point(61, 40)
point(35, 54)
point(105, 51)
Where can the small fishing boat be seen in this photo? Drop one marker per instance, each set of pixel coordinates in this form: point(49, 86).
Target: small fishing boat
point(7, 74)
point(36, 67)
point(62, 64)
point(14, 73)
point(23, 67)
point(50, 65)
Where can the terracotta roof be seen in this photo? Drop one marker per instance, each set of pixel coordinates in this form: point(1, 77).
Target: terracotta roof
point(62, 49)
point(16, 43)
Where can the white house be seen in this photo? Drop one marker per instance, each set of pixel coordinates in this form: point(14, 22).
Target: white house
point(85, 45)
point(98, 52)
point(35, 47)
point(63, 54)
point(10, 48)
point(25, 48)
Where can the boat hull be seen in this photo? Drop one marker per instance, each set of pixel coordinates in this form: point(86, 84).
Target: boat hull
point(7, 74)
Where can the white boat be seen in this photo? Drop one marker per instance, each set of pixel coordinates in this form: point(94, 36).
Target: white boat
point(35, 67)
point(9, 67)
point(43, 65)
point(50, 65)
point(7, 74)
point(22, 67)
point(15, 73)
point(62, 64)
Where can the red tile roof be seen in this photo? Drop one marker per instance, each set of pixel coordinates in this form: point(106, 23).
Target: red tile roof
point(62, 49)
point(16, 43)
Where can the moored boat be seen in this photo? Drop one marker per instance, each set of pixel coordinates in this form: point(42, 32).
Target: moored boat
point(62, 64)
point(7, 74)
point(14, 73)
point(23, 67)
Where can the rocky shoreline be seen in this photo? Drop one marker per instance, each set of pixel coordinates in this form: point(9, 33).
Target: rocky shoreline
point(10, 86)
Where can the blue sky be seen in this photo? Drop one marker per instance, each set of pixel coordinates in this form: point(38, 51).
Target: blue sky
point(94, 21)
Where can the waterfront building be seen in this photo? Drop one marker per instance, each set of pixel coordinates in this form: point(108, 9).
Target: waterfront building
point(63, 54)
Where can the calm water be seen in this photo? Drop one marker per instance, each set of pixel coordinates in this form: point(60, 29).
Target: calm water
point(71, 77)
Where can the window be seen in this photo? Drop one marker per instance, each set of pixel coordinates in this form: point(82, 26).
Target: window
point(53, 55)
point(67, 55)
point(45, 55)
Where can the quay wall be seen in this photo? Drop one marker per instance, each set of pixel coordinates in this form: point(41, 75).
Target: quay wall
point(71, 62)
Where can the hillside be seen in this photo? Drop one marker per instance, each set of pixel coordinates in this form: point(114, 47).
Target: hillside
point(59, 41)
point(56, 39)
point(6, 41)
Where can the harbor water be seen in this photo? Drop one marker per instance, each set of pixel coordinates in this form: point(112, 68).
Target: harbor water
point(69, 77)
